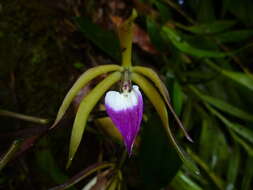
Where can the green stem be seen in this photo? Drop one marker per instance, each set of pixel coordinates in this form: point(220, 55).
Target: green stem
point(127, 56)
point(126, 38)
point(10, 153)
point(23, 117)
point(82, 175)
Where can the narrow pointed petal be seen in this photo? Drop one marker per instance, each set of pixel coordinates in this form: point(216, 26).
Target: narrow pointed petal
point(125, 110)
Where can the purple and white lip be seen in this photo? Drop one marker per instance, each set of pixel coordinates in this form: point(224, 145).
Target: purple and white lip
point(126, 109)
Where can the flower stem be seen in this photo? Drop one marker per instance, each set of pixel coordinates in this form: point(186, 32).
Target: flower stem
point(24, 117)
point(10, 153)
point(125, 32)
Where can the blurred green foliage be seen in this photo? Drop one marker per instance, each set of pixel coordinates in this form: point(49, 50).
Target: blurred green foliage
point(203, 53)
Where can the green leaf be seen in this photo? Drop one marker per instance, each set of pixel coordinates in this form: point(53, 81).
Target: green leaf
point(85, 107)
point(79, 84)
point(234, 36)
point(47, 164)
point(155, 36)
point(188, 114)
point(177, 97)
point(240, 78)
point(174, 37)
point(217, 180)
point(216, 152)
point(125, 32)
point(164, 10)
point(247, 147)
point(239, 129)
point(211, 27)
point(233, 168)
point(227, 108)
point(160, 107)
point(248, 174)
point(156, 157)
point(106, 40)
point(207, 133)
point(183, 182)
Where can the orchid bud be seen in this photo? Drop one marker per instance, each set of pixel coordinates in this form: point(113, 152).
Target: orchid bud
point(126, 109)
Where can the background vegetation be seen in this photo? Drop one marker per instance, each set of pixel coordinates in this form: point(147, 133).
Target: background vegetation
point(202, 50)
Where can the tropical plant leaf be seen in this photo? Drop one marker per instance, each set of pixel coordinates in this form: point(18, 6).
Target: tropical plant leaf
point(234, 36)
point(211, 27)
point(241, 141)
point(187, 115)
point(155, 35)
point(160, 107)
point(47, 163)
point(240, 78)
point(79, 84)
point(248, 174)
point(233, 168)
point(84, 109)
point(172, 35)
point(239, 129)
point(177, 97)
point(183, 182)
point(225, 107)
point(164, 10)
point(217, 180)
point(218, 149)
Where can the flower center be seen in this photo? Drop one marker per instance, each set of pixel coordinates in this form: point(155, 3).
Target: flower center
point(126, 83)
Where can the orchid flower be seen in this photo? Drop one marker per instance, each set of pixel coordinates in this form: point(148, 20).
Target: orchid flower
point(124, 108)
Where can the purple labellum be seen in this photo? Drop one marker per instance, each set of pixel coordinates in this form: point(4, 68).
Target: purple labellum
point(125, 109)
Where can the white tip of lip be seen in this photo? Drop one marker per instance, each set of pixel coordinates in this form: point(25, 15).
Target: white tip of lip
point(121, 101)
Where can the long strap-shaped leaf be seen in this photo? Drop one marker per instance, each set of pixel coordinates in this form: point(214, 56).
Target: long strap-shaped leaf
point(172, 35)
point(82, 81)
point(223, 106)
point(84, 109)
point(160, 107)
point(152, 75)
